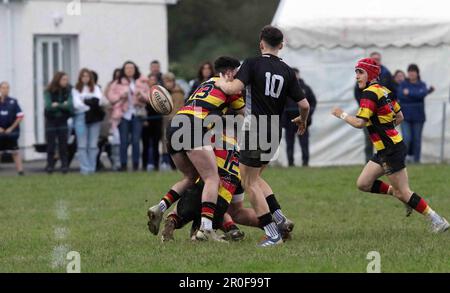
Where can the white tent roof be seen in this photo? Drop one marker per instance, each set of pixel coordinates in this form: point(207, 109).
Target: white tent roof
point(349, 23)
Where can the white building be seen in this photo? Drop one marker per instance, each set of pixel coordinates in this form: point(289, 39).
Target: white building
point(40, 37)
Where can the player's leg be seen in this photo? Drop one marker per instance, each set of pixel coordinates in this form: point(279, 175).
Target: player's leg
point(240, 214)
point(186, 210)
point(399, 181)
point(204, 161)
point(285, 226)
point(18, 161)
point(250, 179)
point(190, 174)
point(368, 180)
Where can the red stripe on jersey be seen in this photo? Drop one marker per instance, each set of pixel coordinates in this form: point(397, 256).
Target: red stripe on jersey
point(223, 154)
point(384, 110)
point(391, 132)
point(369, 104)
point(375, 137)
point(218, 94)
point(194, 108)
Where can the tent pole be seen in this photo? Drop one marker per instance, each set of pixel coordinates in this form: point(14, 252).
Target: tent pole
point(444, 112)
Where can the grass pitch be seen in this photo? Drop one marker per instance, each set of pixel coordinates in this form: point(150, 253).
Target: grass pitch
point(103, 217)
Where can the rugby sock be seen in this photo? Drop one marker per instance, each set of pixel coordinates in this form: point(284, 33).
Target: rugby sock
point(421, 206)
point(275, 209)
point(380, 187)
point(230, 225)
point(168, 199)
point(176, 220)
point(266, 222)
point(208, 209)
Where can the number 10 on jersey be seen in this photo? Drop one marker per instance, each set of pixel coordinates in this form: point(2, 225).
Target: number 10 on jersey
point(273, 89)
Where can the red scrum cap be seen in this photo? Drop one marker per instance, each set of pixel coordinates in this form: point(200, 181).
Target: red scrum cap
point(371, 66)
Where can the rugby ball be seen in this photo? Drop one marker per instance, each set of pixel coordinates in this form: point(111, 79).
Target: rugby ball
point(160, 100)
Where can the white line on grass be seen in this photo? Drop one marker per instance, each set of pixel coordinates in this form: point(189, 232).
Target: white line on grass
point(60, 250)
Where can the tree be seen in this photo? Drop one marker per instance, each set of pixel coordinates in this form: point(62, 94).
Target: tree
point(204, 30)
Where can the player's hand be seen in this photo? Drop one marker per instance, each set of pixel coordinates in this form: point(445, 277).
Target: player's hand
point(405, 92)
point(9, 130)
point(337, 112)
point(55, 104)
point(2, 130)
point(431, 89)
point(301, 125)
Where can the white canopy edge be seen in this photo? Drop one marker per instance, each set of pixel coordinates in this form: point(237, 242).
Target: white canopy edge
point(352, 23)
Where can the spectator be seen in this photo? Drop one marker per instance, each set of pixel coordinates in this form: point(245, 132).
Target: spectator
point(151, 134)
point(205, 72)
point(127, 95)
point(155, 69)
point(411, 94)
point(399, 77)
point(111, 129)
point(10, 117)
point(177, 93)
point(291, 111)
point(385, 78)
point(88, 116)
point(58, 109)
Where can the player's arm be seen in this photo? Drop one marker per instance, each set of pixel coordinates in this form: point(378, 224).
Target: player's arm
point(301, 121)
point(230, 87)
point(352, 120)
point(399, 118)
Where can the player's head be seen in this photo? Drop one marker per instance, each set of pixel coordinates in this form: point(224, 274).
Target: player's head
point(227, 66)
point(271, 38)
point(367, 70)
point(4, 89)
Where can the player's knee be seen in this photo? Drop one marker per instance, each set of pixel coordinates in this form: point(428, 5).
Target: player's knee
point(363, 185)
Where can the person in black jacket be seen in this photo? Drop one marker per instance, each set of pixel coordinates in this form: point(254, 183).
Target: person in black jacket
point(58, 109)
point(290, 112)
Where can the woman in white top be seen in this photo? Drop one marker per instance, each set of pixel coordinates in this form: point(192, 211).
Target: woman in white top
point(88, 116)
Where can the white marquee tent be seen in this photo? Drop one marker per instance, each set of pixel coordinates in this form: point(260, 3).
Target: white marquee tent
point(325, 38)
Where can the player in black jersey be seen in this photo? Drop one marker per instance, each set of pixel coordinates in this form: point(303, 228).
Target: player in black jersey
point(268, 82)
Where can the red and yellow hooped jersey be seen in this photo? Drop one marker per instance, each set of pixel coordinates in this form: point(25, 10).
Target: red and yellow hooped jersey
point(208, 99)
point(378, 108)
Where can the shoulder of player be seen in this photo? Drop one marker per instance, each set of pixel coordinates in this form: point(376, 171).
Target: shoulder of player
point(375, 91)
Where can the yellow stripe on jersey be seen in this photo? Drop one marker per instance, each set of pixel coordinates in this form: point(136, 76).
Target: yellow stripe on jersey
point(397, 138)
point(238, 103)
point(364, 113)
point(197, 114)
point(379, 145)
point(225, 194)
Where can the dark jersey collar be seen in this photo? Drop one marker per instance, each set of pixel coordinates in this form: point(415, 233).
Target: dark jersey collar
point(270, 56)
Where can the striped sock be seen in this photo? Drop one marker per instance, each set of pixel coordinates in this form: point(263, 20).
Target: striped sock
point(208, 209)
point(380, 187)
point(168, 199)
point(275, 209)
point(421, 206)
point(266, 222)
point(176, 220)
point(279, 217)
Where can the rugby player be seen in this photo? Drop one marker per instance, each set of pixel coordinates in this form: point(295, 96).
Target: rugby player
point(380, 113)
point(199, 160)
point(268, 82)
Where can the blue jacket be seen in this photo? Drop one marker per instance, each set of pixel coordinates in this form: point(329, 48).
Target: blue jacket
point(413, 105)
